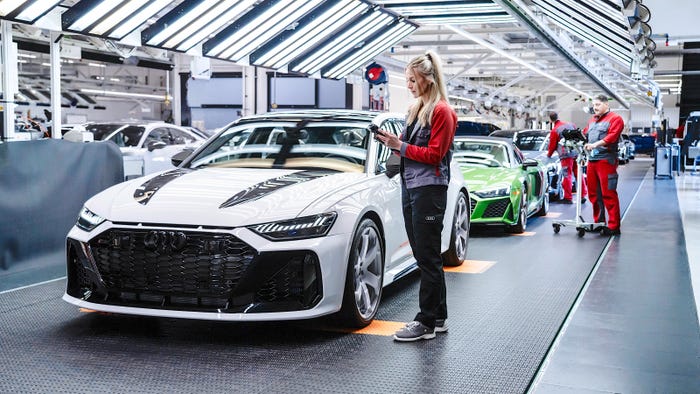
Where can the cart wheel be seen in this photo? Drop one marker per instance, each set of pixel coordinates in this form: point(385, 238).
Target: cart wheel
point(581, 232)
point(557, 228)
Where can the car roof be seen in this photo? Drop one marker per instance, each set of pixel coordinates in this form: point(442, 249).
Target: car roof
point(319, 115)
point(511, 133)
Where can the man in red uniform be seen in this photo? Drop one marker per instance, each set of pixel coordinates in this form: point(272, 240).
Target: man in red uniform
point(603, 132)
point(565, 156)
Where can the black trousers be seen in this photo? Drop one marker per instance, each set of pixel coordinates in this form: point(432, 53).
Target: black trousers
point(423, 211)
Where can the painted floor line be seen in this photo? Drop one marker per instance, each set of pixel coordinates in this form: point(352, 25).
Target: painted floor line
point(471, 267)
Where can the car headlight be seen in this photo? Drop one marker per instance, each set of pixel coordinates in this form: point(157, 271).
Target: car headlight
point(299, 228)
point(88, 220)
point(491, 193)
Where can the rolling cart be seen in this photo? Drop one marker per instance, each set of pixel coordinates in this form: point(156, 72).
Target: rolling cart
point(574, 140)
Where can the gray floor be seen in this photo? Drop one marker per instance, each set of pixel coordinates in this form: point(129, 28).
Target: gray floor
point(635, 329)
point(554, 313)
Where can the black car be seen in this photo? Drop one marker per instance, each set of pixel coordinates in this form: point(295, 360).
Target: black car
point(466, 127)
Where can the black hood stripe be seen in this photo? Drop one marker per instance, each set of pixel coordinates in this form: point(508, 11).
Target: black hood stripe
point(144, 192)
point(264, 188)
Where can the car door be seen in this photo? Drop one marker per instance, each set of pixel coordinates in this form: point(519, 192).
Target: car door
point(159, 159)
point(399, 253)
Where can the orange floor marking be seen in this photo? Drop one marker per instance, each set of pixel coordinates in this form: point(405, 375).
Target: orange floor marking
point(381, 327)
point(553, 215)
point(86, 310)
point(525, 234)
point(471, 267)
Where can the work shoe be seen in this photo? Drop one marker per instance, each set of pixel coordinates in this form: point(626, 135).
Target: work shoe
point(414, 331)
point(583, 200)
point(607, 231)
point(567, 201)
point(440, 325)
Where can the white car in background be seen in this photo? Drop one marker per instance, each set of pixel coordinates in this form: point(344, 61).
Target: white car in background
point(147, 147)
point(281, 216)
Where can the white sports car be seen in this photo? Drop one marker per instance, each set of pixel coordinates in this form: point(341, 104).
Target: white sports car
point(287, 215)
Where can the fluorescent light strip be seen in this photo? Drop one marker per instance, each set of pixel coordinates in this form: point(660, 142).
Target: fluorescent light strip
point(7, 6)
point(117, 16)
point(591, 16)
point(180, 23)
point(269, 28)
point(345, 41)
point(609, 10)
point(218, 50)
point(370, 50)
point(139, 18)
point(208, 16)
point(232, 14)
point(470, 20)
point(553, 13)
point(35, 10)
point(505, 54)
point(620, 56)
point(94, 14)
point(362, 57)
point(311, 33)
point(124, 94)
point(445, 9)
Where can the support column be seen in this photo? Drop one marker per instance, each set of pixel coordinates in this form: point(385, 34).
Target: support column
point(55, 53)
point(249, 96)
point(9, 78)
point(176, 100)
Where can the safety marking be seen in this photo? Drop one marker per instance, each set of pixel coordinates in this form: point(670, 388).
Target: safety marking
point(380, 327)
point(86, 310)
point(525, 234)
point(553, 215)
point(471, 267)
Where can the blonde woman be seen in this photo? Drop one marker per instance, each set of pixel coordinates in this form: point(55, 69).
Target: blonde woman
point(425, 150)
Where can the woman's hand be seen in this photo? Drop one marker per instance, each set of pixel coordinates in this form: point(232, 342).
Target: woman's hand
point(390, 140)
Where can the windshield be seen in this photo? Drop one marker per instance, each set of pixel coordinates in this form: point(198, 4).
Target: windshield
point(481, 154)
point(128, 136)
point(530, 141)
point(101, 131)
point(328, 145)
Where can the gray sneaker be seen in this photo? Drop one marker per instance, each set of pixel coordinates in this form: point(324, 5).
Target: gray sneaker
point(414, 331)
point(441, 325)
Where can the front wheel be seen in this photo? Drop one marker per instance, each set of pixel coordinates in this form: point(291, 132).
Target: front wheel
point(459, 239)
point(521, 225)
point(363, 281)
point(544, 208)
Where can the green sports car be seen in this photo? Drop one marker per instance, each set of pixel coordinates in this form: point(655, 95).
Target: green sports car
point(505, 188)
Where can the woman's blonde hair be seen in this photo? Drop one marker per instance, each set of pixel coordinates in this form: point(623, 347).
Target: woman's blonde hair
point(430, 67)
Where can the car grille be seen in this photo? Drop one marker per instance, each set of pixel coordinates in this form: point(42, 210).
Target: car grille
point(496, 208)
point(170, 262)
point(188, 270)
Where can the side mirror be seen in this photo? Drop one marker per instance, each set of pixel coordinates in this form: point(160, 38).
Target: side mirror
point(153, 145)
point(530, 163)
point(179, 157)
point(393, 165)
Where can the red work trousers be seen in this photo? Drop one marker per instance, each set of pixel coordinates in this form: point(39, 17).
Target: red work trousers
point(602, 191)
point(567, 166)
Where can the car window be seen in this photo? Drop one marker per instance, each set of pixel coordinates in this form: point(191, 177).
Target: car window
point(384, 153)
point(101, 131)
point(529, 141)
point(160, 134)
point(128, 136)
point(178, 137)
point(481, 154)
point(324, 144)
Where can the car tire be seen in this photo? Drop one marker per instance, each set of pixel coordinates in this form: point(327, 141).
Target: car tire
point(521, 225)
point(364, 277)
point(459, 238)
point(544, 208)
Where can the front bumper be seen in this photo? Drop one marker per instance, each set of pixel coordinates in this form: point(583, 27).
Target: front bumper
point(203, 274)
point(498, 210)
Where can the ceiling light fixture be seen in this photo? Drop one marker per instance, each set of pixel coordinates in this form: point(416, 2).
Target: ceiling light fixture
point(161, 97)
point(319, 28)
point(350, 38)
point(27, 11)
